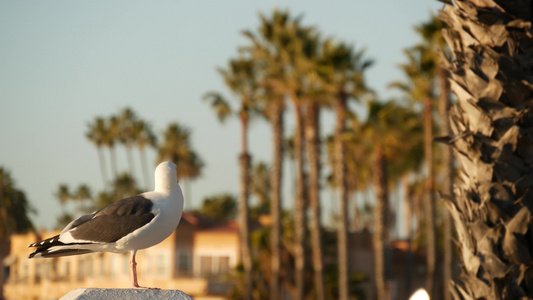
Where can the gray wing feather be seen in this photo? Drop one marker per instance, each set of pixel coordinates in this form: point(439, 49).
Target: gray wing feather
point(78, 222)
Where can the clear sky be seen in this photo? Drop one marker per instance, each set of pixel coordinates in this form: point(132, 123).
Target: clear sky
point(62, 63)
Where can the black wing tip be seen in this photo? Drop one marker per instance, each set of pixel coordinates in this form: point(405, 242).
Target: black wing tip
point(58, 253)
point(53, 241)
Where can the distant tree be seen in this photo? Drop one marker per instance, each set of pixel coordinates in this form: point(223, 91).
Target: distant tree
point(123, 186)
point(127, 134)
point(15, 209)
point(63, 220)
point(145, 137)
point(83, 197)
point(97, 135)
point(63, 195)
point(241, 78)
point(110, 139)
point(342, 72)
point(221, 207)
point(260, 188)
point(14, 216)
point(104, 199)
point(420, 88)
point(266, 48)
point(431, 32)
point(176, 147)
point(388, 135)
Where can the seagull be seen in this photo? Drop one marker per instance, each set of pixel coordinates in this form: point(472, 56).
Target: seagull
point(127, 225)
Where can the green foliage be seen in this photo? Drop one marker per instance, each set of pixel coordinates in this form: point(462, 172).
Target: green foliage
point(260, 188)
point(82, 197)
point(63, 220)
point(220, 207)
point(15, 209)
point(176, 147)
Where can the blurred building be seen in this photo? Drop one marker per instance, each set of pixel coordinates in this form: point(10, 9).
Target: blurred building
point(197, 258)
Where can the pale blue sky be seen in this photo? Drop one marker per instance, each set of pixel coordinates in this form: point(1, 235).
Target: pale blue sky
point(62, 63)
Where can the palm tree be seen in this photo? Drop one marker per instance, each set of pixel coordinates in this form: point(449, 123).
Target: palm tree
point(97, 135)
point(420, 71)
point(391, 131)
point(145, 137)
point(342, 71)
point(176, 147)
point(267, 48)
point(305, 42)
point(260, 188)
point(14, 207)
point(221, 207)
point(14, 216)
point(110, 137)
point(127, 134)
point(63, 195)
point(491, 77)
point(431, 32)
point(124, 186)
point(241, 79)
point(83, 195)
point(190, 169)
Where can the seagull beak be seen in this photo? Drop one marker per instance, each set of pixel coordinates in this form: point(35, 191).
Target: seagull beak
point(178, 180)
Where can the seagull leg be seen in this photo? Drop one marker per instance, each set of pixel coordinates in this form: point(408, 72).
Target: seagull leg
point(133, 265)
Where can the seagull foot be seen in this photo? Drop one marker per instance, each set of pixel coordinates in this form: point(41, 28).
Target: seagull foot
point(145, 288)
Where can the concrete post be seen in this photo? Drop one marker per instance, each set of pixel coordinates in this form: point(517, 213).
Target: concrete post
point(120, 294)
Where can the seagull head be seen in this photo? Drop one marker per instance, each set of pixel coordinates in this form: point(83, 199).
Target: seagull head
point(166, 176)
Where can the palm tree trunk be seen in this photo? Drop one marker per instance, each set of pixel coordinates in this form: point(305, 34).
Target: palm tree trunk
point(144, 168)
point(113, 161)
point(408, 215)
point(340, 174)
point(299, 208)
point(447, 188)
point(380, 236)
point(490, 73)
point(275, 200)
point(313, 151)
point(244, 228)
point(101, 160)
point(244, 223)
point(5, 233)
point(5, 245)
point(429, 199)
point(130, 161)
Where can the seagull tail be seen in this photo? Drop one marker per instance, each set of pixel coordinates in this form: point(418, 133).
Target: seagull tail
point(52, 247)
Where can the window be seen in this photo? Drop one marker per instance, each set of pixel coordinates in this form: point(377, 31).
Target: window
point(125, 264)
point(37, 272)
point(162, 264)
point(7, 271)
point(206, 265)
point(25, 271)
point(112, 267)
point(223, 265)
point(184, 263)
point(81, 269)
point(102, 266)
point(89, 270)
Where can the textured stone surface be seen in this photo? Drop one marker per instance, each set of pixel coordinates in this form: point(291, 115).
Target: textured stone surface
point(120, 294)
